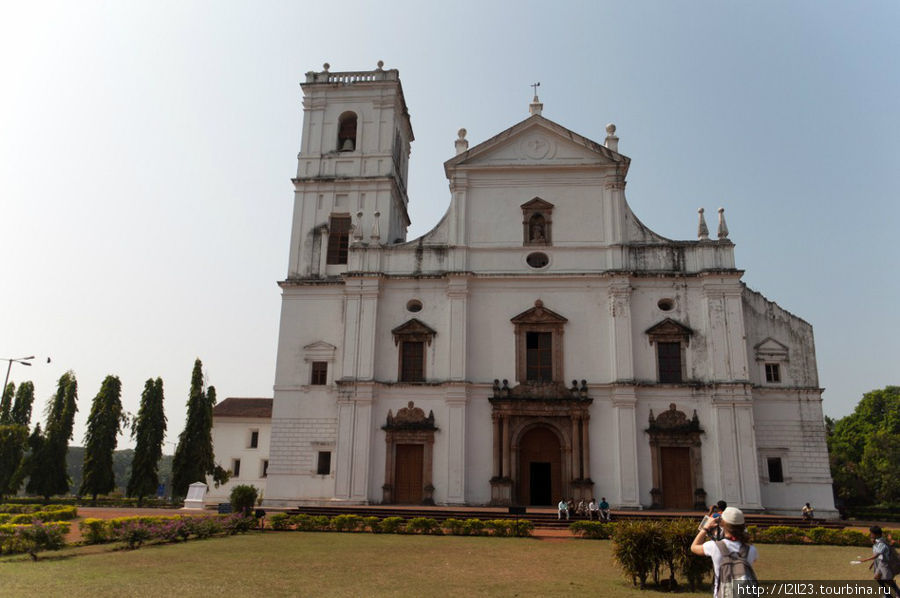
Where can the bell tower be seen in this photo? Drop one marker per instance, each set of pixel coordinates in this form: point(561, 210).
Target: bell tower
point(352, 168)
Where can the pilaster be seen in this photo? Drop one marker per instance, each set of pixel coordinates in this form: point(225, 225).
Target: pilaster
point(620, 349)
point(624, 415)
point(457, 293)
point(456, 399)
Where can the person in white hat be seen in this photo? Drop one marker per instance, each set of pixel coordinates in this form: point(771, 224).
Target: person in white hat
point(734, 548)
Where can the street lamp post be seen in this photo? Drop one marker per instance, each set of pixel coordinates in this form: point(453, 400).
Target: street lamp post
point(12, 360)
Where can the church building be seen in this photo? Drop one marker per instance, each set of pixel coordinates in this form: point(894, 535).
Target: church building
point(539, 342)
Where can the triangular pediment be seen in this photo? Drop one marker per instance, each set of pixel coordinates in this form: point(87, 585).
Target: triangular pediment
point(539, 315)
point(319, 346)
point(769, 348)
point(413, 327)
point(537, 141)
point(537, 204)
point(669, 327)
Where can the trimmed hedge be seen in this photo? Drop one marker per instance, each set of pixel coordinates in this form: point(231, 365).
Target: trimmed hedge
point(33, 538)
point(398, 525)
point(53, 513)
point(135, 531)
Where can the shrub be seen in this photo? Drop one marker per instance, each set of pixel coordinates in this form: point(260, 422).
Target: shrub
point(303, 522)
point(243, 498)
point(280, 521)
point(851, 537)
point(392, 525)
point(373, 524)
point(348, 522)
point(498, 527)
point(454, 526)
point(322, 523)
point(473, 527)
point(522, 527)
point(41, 536)
point(422, 525)
point(680, 534)
point(170, 530)
point(782, 534)
point(638, 547)
point(134, 534)
point(238, 524)
point(593, 530)
point(206, 527)
point(95, 531)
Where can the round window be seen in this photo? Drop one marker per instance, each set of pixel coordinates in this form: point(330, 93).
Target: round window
point(537, 260)
point(666, 304)
point(414, 305)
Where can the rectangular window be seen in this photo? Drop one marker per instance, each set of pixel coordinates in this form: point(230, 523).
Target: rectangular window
point(319, 374)
point(412, 361)
point(338, 240)
point(775, 472)
point(323, 466)
point(254, 439)
point(236, 468)
point(265, 468)
point(539, 356)
point(773, 373)
point(669, 359)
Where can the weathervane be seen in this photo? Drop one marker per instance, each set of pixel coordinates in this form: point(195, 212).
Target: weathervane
point(535, 86)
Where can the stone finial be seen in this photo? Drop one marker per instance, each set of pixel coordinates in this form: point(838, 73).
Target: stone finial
point(461, 144)
point(612, 142)
point(723, 228)
point(358, 231)
point(376, 231)
point(325, 67)
point(535, 107)
point(380, 65)
point(702, 229)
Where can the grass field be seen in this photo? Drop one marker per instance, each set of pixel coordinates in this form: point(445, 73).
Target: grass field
point(260, 565)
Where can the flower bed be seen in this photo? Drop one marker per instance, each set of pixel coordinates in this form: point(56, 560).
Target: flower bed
point(399, 525)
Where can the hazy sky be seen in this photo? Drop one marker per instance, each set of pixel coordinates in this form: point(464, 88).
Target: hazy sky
point(146, 151)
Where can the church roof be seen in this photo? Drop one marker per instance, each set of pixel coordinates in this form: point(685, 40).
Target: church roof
point(533, 121)
point(244, 407)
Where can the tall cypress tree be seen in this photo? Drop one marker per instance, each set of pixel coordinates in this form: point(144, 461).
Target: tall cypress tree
point(14, 424)
point(21, 409)
point(6, 403)
point(103, 427)
point(149, 431)
point(47, 467)
point(194, 454)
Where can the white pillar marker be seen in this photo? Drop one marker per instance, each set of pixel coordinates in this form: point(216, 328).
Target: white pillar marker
point(702, 229)
point(723, 228)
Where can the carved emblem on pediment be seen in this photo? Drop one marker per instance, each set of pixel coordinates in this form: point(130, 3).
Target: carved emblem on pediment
point(537, 147)
point(410, 418)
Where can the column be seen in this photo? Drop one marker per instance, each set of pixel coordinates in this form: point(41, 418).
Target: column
point(620, 348)
point(624, 403)
point(506, 448)
point(369, 290)
point(457, 292)
point(457, 398)
point(576, 449)
point(343, 466)
point(496, 422)
point(359, 485)
point(585, 448)
point(323, 250)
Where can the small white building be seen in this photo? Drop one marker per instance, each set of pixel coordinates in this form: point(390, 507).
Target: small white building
point(540, 342)
point(240, 434)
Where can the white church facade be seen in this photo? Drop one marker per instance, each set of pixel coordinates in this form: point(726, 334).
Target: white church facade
point(540, 342)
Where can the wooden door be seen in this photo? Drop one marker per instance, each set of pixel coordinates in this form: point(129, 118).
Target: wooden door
point(539, 446)
point(408, 474)
point(675, 465)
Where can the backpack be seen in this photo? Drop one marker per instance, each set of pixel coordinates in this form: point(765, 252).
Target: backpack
point(734, 567)
point(891, 558)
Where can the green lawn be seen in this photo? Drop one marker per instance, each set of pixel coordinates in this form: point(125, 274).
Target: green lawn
point(332, 564)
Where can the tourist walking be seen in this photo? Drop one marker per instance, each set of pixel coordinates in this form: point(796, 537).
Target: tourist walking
point(882, 553)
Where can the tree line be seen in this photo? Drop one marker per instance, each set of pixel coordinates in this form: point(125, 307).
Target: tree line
point(38, 459)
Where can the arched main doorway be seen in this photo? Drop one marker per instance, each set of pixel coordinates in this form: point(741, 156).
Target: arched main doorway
point(540, 467)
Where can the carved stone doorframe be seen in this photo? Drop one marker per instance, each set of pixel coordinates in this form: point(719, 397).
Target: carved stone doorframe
point(409, 426)
point(565, 412)
point(672, 428)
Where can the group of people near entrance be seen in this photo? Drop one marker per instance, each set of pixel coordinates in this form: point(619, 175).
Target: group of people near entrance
point(593, 510)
